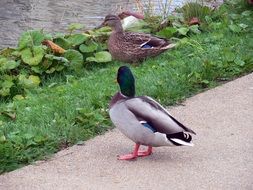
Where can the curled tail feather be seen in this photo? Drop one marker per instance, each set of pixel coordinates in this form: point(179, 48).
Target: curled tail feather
point(180, 139)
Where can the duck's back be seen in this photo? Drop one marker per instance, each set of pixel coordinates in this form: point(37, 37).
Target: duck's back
point(130, 47)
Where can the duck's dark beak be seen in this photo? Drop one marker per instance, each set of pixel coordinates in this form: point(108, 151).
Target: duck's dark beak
point(101, 25)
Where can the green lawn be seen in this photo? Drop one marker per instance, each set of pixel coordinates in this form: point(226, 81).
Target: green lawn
point(68, 109)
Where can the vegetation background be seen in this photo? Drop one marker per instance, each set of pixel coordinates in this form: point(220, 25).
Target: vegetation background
point(54, 97)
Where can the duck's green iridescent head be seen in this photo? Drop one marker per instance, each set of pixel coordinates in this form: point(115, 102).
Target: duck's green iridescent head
point(126, 81)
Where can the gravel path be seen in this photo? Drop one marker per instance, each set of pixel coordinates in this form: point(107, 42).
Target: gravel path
point(222, 157)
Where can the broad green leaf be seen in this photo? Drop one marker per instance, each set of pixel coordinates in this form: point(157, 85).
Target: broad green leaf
point(3, 61)
point(32, 56)
point(37, 69)
point(10, 107)
point(2, 138)
point(11, 65)
point(59, 35)
point(195, 29)
point(46, 64)
point(242, 25)
point(62, 42)
point(18, 97)
point(184, 41)
point(39, 139)
point(59, 67)
point(239, 62)
point(57, 58)
point(205, 81)
point(234, 16)
point(30, 82)
point(167, 32)
point(51, 70)
point(16, 53)
point(229, 56)
point(216, 25)
point(74, 57)
point(35, 80)
point(6, 52)
point(4, 92)
point(7, 84)
point(5, 87)
point(183, 30)
point(7, 77)
point(208, 19)
point(235, 28)
point(77, 39)
point(88, 48)
point(100, 57)
point(177, 24)
point(30, 38)
point(6, 64)
point(246, 13)
point(10, 111)
point(75, 26)
point(104, 31)
point(48, 37)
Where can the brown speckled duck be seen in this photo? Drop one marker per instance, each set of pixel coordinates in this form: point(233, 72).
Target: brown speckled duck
point(143, 120)
point(132, 47)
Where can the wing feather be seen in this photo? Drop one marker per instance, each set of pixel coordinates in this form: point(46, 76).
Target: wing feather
point(147, 109)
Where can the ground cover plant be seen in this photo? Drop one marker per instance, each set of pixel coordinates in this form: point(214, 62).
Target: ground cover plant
point(51, 100)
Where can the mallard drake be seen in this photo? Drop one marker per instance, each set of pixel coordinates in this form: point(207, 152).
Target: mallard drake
point(132, 47)
point(143, 120)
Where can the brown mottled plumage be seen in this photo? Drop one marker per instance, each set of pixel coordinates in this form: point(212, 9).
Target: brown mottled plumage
point(132, 47)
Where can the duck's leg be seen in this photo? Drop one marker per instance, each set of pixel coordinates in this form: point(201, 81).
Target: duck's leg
point(145, 153)
point(132, 155)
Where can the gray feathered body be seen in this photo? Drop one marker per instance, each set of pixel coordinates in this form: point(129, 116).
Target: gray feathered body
point(128, 114)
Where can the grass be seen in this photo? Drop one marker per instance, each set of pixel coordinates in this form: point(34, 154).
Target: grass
point(69, 109)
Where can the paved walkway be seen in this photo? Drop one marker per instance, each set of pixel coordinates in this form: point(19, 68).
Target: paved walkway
point(222, 157)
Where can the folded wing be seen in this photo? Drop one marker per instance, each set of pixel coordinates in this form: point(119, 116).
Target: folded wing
point(147, 109)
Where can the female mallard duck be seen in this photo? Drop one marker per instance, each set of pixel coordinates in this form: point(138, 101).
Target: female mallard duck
point(132, 47)
point(144, 120)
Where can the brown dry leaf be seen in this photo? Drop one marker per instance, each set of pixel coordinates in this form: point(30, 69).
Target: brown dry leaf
point(53, 46)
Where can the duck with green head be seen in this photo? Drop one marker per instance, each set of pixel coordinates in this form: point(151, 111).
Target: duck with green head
point(132, 47)
point(143, 120)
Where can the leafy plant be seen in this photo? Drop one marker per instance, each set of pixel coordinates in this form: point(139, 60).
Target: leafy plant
point(88, 48)
point(31, 38)
point(76, 39)
point(71, 108)
point(36, 55)
point(178, 30)
point(100, 57)
point(32, 56)
point(75, 26)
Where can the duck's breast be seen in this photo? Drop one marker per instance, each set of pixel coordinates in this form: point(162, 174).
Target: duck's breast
point(127, 123)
